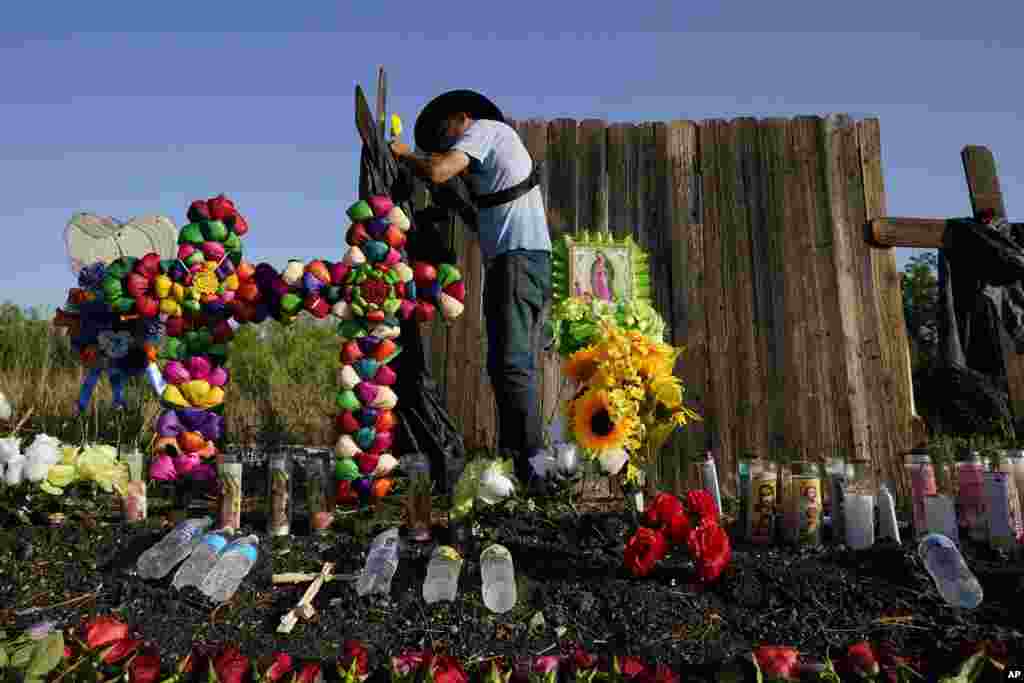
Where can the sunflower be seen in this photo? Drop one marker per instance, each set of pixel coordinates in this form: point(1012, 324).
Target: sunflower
point(581, 365)
point(593, 425)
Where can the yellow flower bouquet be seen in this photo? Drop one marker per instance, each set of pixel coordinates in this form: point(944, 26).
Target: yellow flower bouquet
point(628, 400)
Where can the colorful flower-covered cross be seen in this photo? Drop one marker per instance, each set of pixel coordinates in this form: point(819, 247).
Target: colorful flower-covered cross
point(191, 307)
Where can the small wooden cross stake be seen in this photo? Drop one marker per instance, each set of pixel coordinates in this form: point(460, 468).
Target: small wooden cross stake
point(929, 233)
point(304, 608)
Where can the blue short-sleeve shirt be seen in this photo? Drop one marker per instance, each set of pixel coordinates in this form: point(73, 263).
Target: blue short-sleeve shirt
point(498, 160)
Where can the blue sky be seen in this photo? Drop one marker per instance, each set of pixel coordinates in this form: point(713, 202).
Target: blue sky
point(124, 111)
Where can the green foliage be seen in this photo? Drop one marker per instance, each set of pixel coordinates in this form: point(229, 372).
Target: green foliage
point(921, 305)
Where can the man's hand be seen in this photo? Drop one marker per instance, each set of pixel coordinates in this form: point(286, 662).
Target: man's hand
point(400, 149)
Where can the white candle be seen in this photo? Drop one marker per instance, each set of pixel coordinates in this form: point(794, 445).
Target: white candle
point(859, 513)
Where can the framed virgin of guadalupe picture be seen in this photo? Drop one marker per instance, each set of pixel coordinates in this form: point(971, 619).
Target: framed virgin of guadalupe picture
point(600, 266)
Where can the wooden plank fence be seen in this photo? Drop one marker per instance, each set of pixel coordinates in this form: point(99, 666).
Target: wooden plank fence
point(793, 327)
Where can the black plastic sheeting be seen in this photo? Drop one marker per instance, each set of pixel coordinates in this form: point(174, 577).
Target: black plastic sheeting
point(424, 424)
point(981, 310)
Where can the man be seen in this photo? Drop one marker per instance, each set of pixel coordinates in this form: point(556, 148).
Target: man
point(464, 133)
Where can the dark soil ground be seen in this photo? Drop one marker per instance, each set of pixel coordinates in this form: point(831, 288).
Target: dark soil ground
point(569, 570)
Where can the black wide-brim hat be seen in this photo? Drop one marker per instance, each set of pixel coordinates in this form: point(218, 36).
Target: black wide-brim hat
point(428, 124)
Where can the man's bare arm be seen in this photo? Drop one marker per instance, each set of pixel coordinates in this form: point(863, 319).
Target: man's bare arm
point(437, 168)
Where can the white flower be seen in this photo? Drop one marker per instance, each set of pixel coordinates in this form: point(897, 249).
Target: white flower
point(494, 486)
point(567, 459)
point(36, 470)
point(10, 448)
point(5, 408)
point(543, 464)
point(44, 448)
point(15, 467)
point(612, 460)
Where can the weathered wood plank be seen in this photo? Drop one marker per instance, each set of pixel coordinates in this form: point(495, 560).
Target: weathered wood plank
point(621, 179)
point(677, 150)
point(592, 164)
point(718, 279)
point(752, 330)
point(854, 335)
point(783, 411)
point(641, 148)
point(919, 233)
point(802, 414)
point(562, 204)
point(986, 194)
point(894, 346)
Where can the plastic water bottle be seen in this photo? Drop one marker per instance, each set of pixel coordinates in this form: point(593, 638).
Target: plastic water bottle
point(158, 561)
point(499, 579)
point(381, 564)
point(201, 561)
point(957, 584)
point(442, 582)
point(233, 564)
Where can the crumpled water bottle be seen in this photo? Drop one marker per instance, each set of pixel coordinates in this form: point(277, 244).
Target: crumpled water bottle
point(232, 566)
point(442, 582)
point(159, 560)
point(381, 564)
point(202, 560)
point(957, 584)
point(499, 579)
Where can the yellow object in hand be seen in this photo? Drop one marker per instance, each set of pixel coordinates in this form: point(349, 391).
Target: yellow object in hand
point(396, 126)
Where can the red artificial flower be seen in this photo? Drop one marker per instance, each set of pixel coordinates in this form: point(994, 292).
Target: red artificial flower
point(645, 549)
point(777, 661)
point(230, 666)
point(445, 669)
point(102, 631)
point(271, 668)
point(629, 667)
point(581, 659)
point(544, 669)
point(310, 673)
point(659, 674)
point(120, 649)
point(709, 546)
point(678, 528)
point(662, 510)
point(144, 668)
point(405, 665)
point(861, 659)
point(702, 504)
point(354, 662)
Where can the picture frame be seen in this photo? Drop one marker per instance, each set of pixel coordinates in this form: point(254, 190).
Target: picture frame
point(598, 264)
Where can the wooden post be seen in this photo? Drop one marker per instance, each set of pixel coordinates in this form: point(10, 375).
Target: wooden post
point(928, 233)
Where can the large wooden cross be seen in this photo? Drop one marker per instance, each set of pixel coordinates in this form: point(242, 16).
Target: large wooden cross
point(928, 233)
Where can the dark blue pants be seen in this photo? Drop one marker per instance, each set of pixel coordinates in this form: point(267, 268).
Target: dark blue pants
point(517, 294)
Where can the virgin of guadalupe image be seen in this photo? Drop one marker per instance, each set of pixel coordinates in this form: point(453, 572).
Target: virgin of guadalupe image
point(602, 275)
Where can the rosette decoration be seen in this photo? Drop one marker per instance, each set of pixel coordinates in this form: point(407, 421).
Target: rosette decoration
point(203, 296)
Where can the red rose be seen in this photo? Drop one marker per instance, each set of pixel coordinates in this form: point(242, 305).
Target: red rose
point(663, 508)
point(407, 664)
point(862, 660)
point(777, 661)
point(120, 649)
point(230, 666)
point(103, 631)
point(645, 549)
point(272, 668)
point(310, 673)
point(145, 668)
point(581, 659)
point(709, 546)
point(629, 666)
point(702, 504)
point(659, 674)
point(354, 661)
point(446, 669)
point(678, 528)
